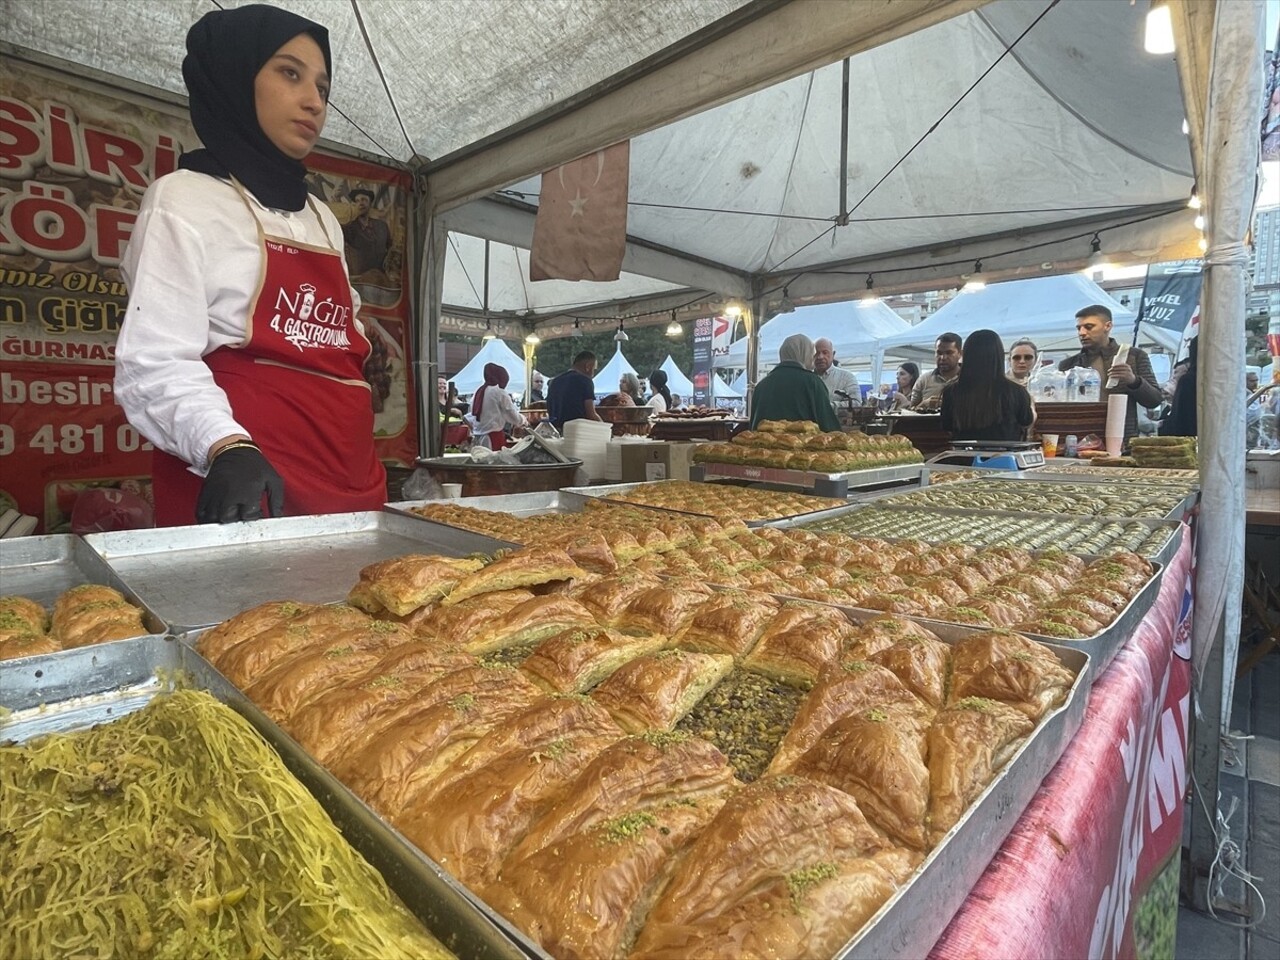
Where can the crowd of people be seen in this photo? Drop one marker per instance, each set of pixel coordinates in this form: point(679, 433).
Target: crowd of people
point(979, 390)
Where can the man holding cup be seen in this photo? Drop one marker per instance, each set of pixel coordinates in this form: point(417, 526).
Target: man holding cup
point(1125, 371)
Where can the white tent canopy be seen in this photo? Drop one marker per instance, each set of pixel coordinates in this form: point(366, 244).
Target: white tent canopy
point(677, 382)
point(470, 377)
point(606, 380)
point(721, 389)
point(854, 328)
point(1042, 308)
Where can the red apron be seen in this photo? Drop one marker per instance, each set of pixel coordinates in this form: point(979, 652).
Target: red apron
point(296, 384)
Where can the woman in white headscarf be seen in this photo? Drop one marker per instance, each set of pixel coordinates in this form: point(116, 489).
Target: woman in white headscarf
point(791, 390)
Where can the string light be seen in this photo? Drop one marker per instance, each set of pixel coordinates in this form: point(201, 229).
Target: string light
point(786, 306)
point(674, 330)
point(975, 281)
point(621, 335)
point(1097, 259)
point(1193, 202)
point(533, 339)
point(869, 297)
point(488, 331)
point(1158, 38)
point(1199, 221)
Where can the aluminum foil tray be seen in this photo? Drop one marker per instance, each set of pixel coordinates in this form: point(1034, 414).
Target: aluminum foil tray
point(611, 491)
point(78, 688)
point(910, 922)
point(43, 568)
point(199, 576)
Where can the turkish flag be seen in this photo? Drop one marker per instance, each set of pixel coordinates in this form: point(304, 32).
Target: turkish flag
point(581, 229)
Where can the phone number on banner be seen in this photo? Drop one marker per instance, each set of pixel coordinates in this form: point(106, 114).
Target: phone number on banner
point(72, 439)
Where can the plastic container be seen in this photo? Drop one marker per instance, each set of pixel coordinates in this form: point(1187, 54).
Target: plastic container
point(1073, 446)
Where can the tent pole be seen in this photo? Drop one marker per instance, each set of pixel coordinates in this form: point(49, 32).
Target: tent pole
point(420, 332)
point(753, 339)
point(434, 236)
point(1230, 175)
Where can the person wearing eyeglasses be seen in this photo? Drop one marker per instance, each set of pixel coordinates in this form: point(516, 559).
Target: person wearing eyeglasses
point(1024, 360)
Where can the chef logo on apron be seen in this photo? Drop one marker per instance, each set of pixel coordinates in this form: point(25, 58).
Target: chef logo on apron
point(307, 324)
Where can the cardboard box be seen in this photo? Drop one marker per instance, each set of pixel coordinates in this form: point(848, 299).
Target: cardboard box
point(656, 461)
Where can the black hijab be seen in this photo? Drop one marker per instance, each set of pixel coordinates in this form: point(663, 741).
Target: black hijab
point(225, 51)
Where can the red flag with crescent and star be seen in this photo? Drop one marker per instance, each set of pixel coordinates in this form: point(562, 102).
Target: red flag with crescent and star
point(581, 229)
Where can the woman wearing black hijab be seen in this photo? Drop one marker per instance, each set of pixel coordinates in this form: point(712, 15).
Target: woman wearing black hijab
point(241, 357)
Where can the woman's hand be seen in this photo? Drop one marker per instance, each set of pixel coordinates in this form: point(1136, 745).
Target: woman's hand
point(238, 477)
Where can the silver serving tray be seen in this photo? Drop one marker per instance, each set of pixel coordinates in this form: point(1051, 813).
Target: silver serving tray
point(610, 491)
point(1177, 512)
point(43, 568)
point(910, 922)
point(1190, 499)
point(1163, 556)
point(516, 504)
point(806, 478)
point(199, 576)
point(79, 688)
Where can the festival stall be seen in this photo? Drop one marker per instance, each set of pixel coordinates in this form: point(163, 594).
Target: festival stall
point(457, 646)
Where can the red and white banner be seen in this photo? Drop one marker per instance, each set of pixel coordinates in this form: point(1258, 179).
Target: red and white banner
point(1107, 819)
point(75, 159)
point(580, 232)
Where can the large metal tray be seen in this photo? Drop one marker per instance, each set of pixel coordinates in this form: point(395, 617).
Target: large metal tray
point(78, 688)
point(1188, 503)
point(814, 480)
point(610, 491)
point(1163, 556)
point(516, 504)
point(1178, 512)
point(199, 576)
point(910, 922)
point(43, 568)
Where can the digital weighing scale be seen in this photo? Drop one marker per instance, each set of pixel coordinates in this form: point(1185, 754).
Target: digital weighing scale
point(993, 454)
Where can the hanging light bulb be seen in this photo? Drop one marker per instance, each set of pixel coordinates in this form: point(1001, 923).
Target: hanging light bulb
point(869, 297)
point(1193, 202)
point(1204, 244)
point(488, 331)
point(533, 339)
point(975, 281)
point(1199, 221)
point(674, 330)
point(786, 306)
point(577, 329)
point(733, 310)
point(1158, 38)
point(621, 335)
point(1186, 127)
point(1097, 261)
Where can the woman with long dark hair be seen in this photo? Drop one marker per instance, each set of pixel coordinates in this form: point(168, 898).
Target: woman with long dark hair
point(984, 404)
point(660, 399)
point(908, 374)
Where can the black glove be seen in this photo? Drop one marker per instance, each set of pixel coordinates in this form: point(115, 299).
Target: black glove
point(234, 487)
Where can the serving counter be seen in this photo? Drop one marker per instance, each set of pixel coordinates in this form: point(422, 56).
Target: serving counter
point(1102, 825)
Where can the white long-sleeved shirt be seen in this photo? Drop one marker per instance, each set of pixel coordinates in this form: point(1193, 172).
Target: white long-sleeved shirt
point(497, 411)
point(193, 265)
point(658, 403)
point(838, 378)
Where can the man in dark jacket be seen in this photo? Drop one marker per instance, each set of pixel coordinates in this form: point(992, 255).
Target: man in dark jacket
point(792, 391)
point(1135, 378)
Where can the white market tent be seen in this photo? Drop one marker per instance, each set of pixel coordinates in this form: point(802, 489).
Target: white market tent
point(606, 380)
point(1042, 308)
point(855, 328)
point(470, 377)
point(721, 389)
point(677, 382)
point(999, 136)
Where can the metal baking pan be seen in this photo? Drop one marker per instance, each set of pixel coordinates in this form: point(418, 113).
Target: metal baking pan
point(516, 504)
point(43, 568)
point(610, 491)
point(1101, 647)
point(806, 478)
point(1177, 512)
point(91, 685)
point(1192, 488)
point(199, 576)
point(1027, 522)
point(910, 922)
